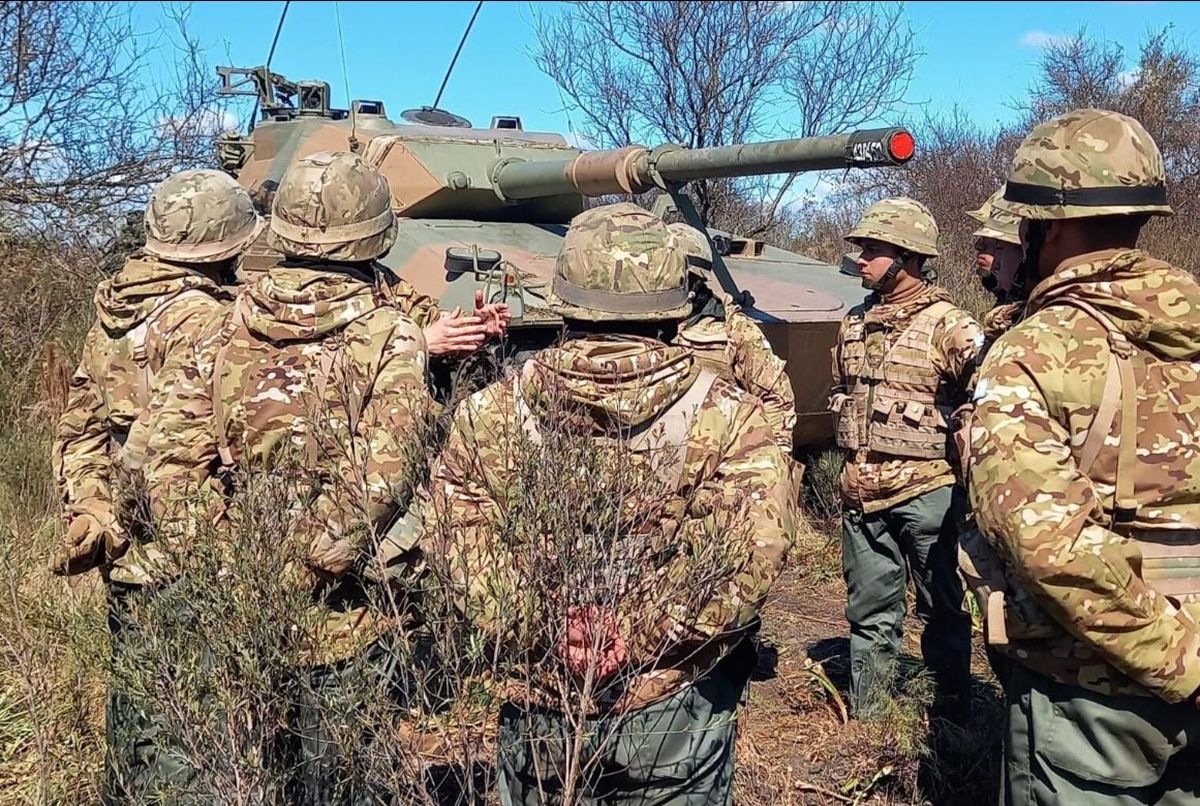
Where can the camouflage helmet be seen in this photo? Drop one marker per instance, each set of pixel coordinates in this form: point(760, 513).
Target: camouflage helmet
point(200, 216)
point(335, 206)
point(998, 220)
point(695, 245)
point(1088, 162)
point(900, 221)
point(620, 262)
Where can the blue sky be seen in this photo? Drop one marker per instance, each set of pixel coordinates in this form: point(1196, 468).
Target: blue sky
point(979, 55)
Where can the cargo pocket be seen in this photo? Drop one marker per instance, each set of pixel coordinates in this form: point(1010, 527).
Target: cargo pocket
point(845, 413)
point(914, 414)
point(1122, 741)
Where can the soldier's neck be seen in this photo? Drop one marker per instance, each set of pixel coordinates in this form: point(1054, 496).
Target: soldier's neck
point(219, 272)
point(906, 288)
point(214, 272)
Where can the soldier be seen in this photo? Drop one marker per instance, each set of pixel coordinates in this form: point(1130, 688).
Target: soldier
point(998, 253)
point(1085, 479)
point(197, 223)
point(448, 334)
point(728, 342)
point(312, 344)
point(900, 364)
point(998, 248)
point(661, 729)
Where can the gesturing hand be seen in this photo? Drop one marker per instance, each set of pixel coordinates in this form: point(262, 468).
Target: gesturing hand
point(495, 315)
point(455, 334)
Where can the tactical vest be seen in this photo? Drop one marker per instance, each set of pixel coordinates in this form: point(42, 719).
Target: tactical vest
point(894, 408)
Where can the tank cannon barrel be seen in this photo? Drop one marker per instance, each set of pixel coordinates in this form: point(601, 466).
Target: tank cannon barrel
point(637, 169)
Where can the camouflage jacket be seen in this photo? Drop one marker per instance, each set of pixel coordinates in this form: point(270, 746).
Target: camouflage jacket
point(996, 322)
point(146, 313)
point(310, 361)
point(727, 507)
point(421, 308)
point(872, 481)
point(728, 342)
point(1100, 623)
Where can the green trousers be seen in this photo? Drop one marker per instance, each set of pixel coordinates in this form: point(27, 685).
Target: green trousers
point(1068, 746)
point(312, 748)
point(678, 752)
point(881, 551)
point(140, 766)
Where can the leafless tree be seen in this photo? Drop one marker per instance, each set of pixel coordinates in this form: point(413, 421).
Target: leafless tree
point(88, 120)
point(1161, 90)
point(714, 73)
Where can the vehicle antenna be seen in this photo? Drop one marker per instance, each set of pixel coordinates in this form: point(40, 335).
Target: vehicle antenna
point(270, 55)
point(346, 77)
point(461, 42)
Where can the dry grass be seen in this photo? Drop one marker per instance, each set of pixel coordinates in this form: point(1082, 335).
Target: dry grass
point(797, 746)
point(52, 634)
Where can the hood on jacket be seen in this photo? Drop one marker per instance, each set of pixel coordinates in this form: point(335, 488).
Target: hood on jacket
point(302, 304)
point(124, 300)
point(617, 381)
point(1154, 304)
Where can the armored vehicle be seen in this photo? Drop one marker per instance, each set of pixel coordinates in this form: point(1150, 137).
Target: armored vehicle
point(486, 209)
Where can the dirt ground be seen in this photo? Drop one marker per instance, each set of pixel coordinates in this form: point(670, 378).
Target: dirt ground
point(796, 745)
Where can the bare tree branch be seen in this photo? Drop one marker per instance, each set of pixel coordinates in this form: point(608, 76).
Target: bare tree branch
point(715, 73)
point(87, 125)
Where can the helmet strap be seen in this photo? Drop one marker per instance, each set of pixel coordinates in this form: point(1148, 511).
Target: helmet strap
point(888, 276)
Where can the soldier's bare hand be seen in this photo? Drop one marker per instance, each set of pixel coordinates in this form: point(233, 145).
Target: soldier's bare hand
point(456, 334)
point(83, 547)
point(593, 643)
point(495, 315)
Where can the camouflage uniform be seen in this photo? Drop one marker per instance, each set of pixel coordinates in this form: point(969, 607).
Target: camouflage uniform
point(146, 313)
point(421, 308)
point(899, 367)
point(1085, 481)
point(313, 358)
point(999, 223)
point(666, 733)
point(729, 343)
